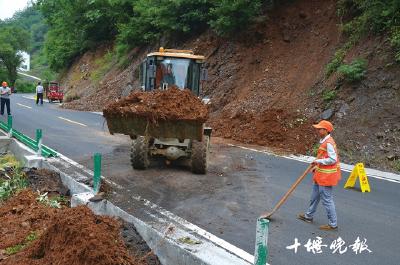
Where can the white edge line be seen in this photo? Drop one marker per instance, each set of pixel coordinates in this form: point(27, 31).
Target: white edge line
point(31, 76)
point(392, 177)
point(28, 97)
point(97, 112)
point(71, 121)
point(22, 105)
point(192, 227)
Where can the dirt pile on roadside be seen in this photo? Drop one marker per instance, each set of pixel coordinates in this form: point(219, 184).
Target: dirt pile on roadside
point(70, 236)
point(77, 236)
point(44, 180)
point(172, 104)
point(21, 215)
point(275, 128)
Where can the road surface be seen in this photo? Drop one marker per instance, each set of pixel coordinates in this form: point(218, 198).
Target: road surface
point(239, 186)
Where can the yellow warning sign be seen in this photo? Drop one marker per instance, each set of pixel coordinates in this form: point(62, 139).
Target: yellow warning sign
point(358, 171)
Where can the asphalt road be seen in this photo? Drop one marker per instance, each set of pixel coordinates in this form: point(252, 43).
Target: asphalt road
point(75, 134)
point(239, 186)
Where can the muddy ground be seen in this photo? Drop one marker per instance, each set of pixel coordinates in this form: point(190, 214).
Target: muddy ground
point(34, 233)
point(278, 64)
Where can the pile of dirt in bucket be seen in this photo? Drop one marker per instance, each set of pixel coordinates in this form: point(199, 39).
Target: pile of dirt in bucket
point(34, 234)
point(172, 104)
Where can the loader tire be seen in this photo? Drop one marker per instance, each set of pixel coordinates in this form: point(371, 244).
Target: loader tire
point(140, 153)
point(199, 156)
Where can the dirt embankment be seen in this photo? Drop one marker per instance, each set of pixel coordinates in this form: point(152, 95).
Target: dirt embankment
point(267, 85)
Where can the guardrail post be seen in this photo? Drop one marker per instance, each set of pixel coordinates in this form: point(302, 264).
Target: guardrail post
point(9, 125)
point(261, 249)
point(97, 173)
point(39, 141)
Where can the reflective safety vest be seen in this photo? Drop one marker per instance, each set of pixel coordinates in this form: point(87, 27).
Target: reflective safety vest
point(327, 175)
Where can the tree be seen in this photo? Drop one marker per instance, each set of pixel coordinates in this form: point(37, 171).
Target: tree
point(12, 40)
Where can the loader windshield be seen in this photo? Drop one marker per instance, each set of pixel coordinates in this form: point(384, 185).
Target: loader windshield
point(172, 72)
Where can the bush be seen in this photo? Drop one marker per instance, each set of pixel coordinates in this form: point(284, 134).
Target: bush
point(355, 71)
point(329, 95)
point(334, 64)
point(71, 96)
point(230, 16)
point(371, 16)
point(395, 40)
point(25, 87)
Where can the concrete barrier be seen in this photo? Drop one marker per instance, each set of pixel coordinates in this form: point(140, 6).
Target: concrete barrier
point(174, 240)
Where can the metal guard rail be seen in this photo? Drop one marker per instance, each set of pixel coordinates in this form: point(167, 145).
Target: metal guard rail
point(33, 144)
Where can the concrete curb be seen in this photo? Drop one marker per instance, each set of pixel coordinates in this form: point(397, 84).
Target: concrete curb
point(388, 176)
point(174, 240)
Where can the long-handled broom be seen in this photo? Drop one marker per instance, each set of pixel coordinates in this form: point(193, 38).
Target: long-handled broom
point(267, 215)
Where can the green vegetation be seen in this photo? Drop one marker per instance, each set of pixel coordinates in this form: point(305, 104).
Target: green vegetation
point(329, 95)
point(51, 202)
point(17, 248)
point(355, 71)
point(12, 40)
point(103, 64)
point(13, 183)
point(24, 86)
point(371, 16)
point(76, 25)
point(335, 63)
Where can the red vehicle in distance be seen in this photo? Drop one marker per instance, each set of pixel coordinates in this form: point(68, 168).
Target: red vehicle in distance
point(54, 92)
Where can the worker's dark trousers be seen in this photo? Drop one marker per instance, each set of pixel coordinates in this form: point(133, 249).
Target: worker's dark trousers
point(5, 101)
point(39, 96)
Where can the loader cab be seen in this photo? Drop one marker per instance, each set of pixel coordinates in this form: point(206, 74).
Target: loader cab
point(173, 68)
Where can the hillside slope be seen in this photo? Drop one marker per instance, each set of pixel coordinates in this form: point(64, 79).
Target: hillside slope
point(267, 85)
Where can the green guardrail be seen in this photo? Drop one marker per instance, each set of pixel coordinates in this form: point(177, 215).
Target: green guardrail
point(31, 143)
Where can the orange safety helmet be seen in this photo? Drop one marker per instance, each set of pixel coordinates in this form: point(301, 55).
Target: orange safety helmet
point(4, 83)
point(324, 125)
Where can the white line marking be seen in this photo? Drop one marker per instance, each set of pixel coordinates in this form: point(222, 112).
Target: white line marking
point(31, 76)
point(192, 227)
point(28, 97)
point(75, 122)
point(98, 113)
point(25, 106)
point(391, 177)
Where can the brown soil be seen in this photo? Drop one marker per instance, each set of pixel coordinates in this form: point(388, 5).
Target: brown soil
point(20, 215)
point(44, 180)
point(172, 104)
point(275, 128)
point(279, 64)
point(70, 236)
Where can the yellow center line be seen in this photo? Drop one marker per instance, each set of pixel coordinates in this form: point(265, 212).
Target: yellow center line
point(25, 106)
point(75, 122)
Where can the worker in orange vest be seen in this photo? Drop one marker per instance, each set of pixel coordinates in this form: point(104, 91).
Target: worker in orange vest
point(327, 174)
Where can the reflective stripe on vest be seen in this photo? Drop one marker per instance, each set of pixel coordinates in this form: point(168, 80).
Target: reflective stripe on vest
point(327, 175)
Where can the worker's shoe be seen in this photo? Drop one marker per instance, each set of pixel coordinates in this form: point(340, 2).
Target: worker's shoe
point(303, 217)
point(328, 228)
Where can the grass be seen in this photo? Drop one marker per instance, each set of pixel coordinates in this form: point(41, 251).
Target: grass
point(103, 65)
point(355, 71)
point(329, 95)
point(396, 165)
point(32, 236)
point(15, 182)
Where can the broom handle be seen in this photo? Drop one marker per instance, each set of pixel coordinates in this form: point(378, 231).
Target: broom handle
point(292, 188)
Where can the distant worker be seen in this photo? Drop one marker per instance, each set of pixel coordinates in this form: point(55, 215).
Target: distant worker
point(39, 93)
point(326, 175)
point(5, 92)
